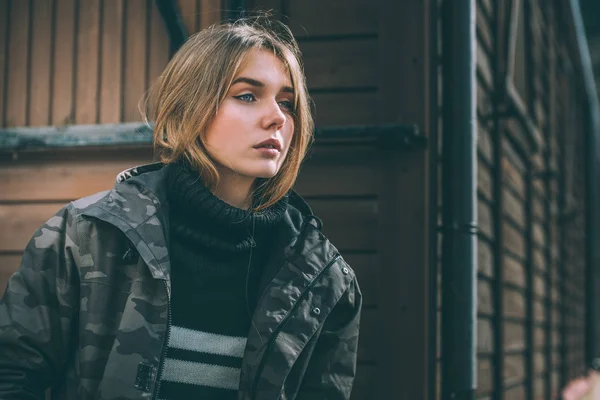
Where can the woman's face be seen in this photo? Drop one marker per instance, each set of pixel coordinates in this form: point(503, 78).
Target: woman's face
point(251, 133)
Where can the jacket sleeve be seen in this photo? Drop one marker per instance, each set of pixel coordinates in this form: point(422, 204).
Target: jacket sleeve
point(332, 366)
point(38, 310)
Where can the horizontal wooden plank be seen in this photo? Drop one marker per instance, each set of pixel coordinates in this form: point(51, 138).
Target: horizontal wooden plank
point(516, 393)
point(309, 18)
point(340, 63)
point(65, 175)
point(513, 240)
point(514, 336)
point(20, 221)
point(352, 108)
point(350, 224)
point(513, 303)
point(68, 175)
point(340, 170)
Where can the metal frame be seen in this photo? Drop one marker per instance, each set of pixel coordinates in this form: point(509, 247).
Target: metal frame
point(459, 216)
point(434, 159)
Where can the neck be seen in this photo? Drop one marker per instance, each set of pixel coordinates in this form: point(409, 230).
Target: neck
point(235, 189)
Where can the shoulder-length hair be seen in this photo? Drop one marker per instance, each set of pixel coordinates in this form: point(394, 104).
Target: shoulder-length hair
point(187, 95)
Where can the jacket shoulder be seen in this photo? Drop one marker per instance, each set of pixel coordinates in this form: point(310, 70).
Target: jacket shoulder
point(85, 203)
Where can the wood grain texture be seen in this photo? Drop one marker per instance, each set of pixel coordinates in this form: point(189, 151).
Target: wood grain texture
point(111, 92)
point(64, 56)
point(159, 45)
point(4, 15)
point(16, 95)
point(210, 13)
point(340, 63)
point(309, 18)
point(41, 57)
point(20, 221)
point(86, 106)
point(345, 108)
point(188, 9)
point(136, 68)
point(66, 176)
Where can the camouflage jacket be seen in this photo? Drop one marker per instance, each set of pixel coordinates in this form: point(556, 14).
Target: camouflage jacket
point(88, 311)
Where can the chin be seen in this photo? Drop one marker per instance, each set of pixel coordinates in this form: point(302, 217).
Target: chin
point(263, 171)
point(267, 174)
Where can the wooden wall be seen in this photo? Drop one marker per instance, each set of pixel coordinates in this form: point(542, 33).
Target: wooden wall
point(339, 41)
point(531, 248)
point(89, 62)
point(68, 62)
point(349, 208)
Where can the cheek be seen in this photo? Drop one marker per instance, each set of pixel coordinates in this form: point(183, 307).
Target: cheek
point(221, 132)
point(288, 134)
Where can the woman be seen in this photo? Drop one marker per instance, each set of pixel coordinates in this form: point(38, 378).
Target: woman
point(203, 275)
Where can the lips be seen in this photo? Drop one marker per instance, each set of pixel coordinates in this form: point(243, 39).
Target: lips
point(269, 144)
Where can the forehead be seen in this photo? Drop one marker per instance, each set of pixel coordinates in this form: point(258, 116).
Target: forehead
point(264, 66)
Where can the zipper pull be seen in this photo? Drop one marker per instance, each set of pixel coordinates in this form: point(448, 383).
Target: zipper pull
point(143, 379)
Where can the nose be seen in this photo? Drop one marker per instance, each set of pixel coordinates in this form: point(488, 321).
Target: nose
point(274, 117)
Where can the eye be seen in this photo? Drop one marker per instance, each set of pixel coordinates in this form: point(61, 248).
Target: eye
point(287, 105)
point(247, 98)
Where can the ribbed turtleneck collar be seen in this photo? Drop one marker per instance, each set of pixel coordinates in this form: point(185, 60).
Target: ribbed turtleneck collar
point(200, 217)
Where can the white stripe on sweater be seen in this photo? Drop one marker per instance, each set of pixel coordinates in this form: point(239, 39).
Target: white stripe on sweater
point(204, 342)
point(201, 374)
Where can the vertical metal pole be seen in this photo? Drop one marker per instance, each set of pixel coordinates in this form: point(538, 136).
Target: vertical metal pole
point(529, 285)
point(498, 373)
point(459, 260)
point(434, 16)
point(529, 196)
point(592, 130)
point(548, 262)
point(562, 277)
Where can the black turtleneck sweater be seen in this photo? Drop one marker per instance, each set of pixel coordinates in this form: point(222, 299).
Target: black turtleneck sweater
point(217, 255)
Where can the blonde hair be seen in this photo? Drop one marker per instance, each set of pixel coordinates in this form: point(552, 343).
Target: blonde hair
point(195, 82)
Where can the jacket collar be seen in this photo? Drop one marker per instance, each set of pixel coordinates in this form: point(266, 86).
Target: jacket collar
point(138, 206)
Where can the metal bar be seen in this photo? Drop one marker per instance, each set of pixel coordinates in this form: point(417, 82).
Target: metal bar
point(548, 261)
point(592, 163)
point(434, 19)
point(459, 240)
point(499, 43)
point(549, 177)
point(529, 284)
point(563, 246)
point(135, 133)
point(177, 33)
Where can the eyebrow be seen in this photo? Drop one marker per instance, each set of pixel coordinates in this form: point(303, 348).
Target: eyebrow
point(254, 82)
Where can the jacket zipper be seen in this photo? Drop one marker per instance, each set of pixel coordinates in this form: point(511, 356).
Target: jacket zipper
point(279, 327)
point(165, 344)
